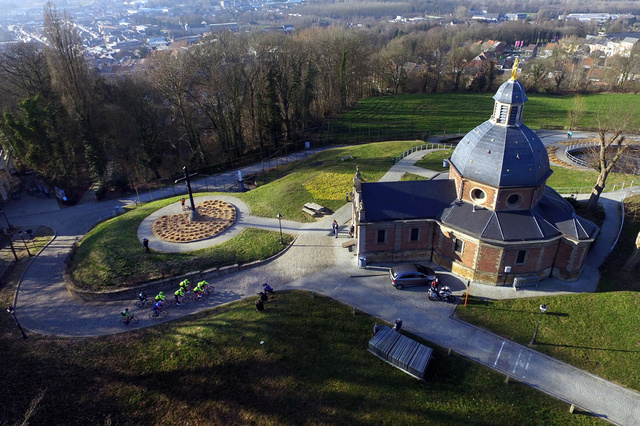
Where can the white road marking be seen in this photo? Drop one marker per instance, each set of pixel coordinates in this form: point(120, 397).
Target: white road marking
point(499, 352)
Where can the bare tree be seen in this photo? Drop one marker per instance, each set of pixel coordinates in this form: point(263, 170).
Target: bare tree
point(72, 77)
point(626, 67)
point(575, 114)
point(611, 146)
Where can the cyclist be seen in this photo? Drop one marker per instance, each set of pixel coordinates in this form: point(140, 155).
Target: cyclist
point(185, 285)
point(199, 289)
point(178, 294)
point(126, 315)
point(142, 296)
point(160, 298)
point(157, 307)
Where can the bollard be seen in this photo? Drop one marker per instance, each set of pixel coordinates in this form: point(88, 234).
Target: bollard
point(572, 408)
point(449, 352)
point(506, 380)
point(355, 311)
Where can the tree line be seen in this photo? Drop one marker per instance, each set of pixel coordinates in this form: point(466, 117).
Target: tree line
point(230, 97)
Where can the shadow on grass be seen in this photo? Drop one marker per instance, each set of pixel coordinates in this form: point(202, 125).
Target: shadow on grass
point(585, 347)
point(488, 304)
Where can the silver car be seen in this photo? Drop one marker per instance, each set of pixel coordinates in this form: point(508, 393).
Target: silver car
point(409, 274)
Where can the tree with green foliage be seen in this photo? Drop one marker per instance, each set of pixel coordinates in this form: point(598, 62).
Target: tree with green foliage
point(39, 143)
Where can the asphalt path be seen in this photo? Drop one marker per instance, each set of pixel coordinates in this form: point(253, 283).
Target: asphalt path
point(315, 262)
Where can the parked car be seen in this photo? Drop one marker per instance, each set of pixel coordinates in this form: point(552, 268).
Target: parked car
point(409, 274)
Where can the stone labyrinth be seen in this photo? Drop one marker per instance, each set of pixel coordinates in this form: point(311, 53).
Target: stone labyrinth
point(215, 217)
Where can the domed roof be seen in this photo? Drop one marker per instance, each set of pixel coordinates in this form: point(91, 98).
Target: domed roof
point(511, 92)
point(502, 155)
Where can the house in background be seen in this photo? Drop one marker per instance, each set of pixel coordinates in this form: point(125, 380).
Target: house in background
point(491, 220)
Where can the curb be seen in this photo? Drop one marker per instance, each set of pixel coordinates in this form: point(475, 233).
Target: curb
point(158, 285)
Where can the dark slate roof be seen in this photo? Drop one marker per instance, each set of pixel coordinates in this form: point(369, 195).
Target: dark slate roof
point(552, 216)
point(511, 92)
point(502, 156)
point(407, 200)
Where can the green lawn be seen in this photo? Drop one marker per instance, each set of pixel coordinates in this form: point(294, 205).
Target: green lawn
point(322, 178)
point(211, 368)
point(110, 255)
point(434, 160)
point(564, 178)
point(461, 112)
point(597, 332)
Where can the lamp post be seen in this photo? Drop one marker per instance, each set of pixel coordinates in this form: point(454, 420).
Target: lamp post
point(543, 309)
point(9, 226)
point(25, 243)
point(12, 311)
point(280, 224)
point(136, 188)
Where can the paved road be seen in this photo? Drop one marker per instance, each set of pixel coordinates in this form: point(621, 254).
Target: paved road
point(317, 262)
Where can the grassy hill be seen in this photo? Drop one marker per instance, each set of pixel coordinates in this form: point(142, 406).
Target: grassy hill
point(461, 112)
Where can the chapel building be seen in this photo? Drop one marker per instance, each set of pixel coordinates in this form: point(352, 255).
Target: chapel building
point(493, 218)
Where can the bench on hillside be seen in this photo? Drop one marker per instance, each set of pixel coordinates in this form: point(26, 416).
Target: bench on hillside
point(521, 282)
point(313, 209)
point(401, 352)
point(347, 157)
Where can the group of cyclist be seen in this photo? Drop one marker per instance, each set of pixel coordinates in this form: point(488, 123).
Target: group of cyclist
point(160, 300)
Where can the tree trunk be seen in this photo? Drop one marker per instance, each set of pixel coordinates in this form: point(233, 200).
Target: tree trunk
point(597, 190)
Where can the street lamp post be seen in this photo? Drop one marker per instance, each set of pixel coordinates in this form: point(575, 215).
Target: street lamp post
point(24, 242)
point(280, 224)
point(5, 218)
point(12, 311)
point(543, 309)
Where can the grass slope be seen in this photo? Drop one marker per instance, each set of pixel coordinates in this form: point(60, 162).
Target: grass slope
point(462, 112)
point(322, 178)
point(211, 368)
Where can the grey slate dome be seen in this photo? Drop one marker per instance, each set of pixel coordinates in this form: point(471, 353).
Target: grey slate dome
point(511, 92)
point(507, 153)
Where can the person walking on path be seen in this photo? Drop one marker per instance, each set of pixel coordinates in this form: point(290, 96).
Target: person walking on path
point(145, 244)
point(182, 201)
point(335, 228)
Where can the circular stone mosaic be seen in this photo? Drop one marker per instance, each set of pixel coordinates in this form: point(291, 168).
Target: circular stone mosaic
point(215, 217)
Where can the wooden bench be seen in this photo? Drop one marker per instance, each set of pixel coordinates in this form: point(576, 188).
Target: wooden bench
point(313, 209)
point(401, 352)
point(349, 243)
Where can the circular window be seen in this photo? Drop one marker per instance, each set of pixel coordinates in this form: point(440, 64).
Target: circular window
point(514, 200)
point(478, 195)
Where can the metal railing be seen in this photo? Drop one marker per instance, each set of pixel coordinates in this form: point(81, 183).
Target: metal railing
point(575, 147)
point(588, 189)
point(423, 148)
